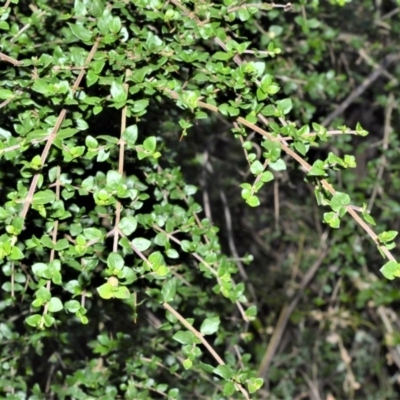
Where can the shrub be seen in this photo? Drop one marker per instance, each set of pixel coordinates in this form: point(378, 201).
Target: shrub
point(116, 283)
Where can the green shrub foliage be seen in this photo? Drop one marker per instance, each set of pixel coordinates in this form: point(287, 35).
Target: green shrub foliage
point(115, 280)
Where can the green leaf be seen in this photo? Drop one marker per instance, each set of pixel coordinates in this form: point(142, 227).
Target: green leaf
point(169, 290)
point(360, 130)
point(80, 32)
point(253, 384)
point(161, 239)
point(210, 325)
point(229, 389)
point(246, 190)
point(139, 106)
point(92, 234)
point(225, 371)
point(391, 270)
point(113, 179)
point(130, 135)
point(61, 244)
point(39, 269)
point(256, 168)
point(16, 254)
point(267, 176)
point(173, 394)
point(301, 148)
point(48, 320)
point(269, 110)
point(339, 200)
point(105, 291)
point(115, 261)
point(187, 364)
point(128, 225)
point(253, 201)
point(244, 14)
point(172, 253)
point(161, 271)
point(317, 169)
point(368, 218)
point(121, 293)
point(43, 294)
point(278, 165)
point(43, 197)
point(55, 304)
point(221, 55)
point(72, 306)
point(141, 244)
point(284, 105)
point(350, 161)
point(332, 219)
point(186, 246)
point(34, 320)
point(91, 142)
point(150, 144)
point(118, 92)
point(386, 237)
point(251, 313)
point(115, 25)
point(185, 337)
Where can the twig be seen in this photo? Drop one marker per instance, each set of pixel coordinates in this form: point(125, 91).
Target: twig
point(52, 136)
point(232, 246)
point(25, 27)
point(211, 350)
point(9, 59)
point(389, 59)
point(285, 314)
point(385, 146)
point(203, 183)
point(207, 265)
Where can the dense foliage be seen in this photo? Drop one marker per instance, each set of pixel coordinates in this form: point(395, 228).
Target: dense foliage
point(190, 206)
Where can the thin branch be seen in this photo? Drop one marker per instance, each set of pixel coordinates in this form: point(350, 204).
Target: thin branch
point(118, 207)
point(52, 136)
point(285, 314)
point(207, 265)
point(13, 61)
point(211, 350)
point(386, 136)
point(371, 78)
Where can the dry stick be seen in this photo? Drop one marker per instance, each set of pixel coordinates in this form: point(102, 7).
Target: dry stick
point(232, 246)
point(385, 146)
point(203, 183)
point(285, 314)
point(276, 204)
point(389, 59)
point(363, 54)
point(231, 241)
point(52, 136)
point(314, 392)
point(394, 348)
point(189, 327)
point(262, 6)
